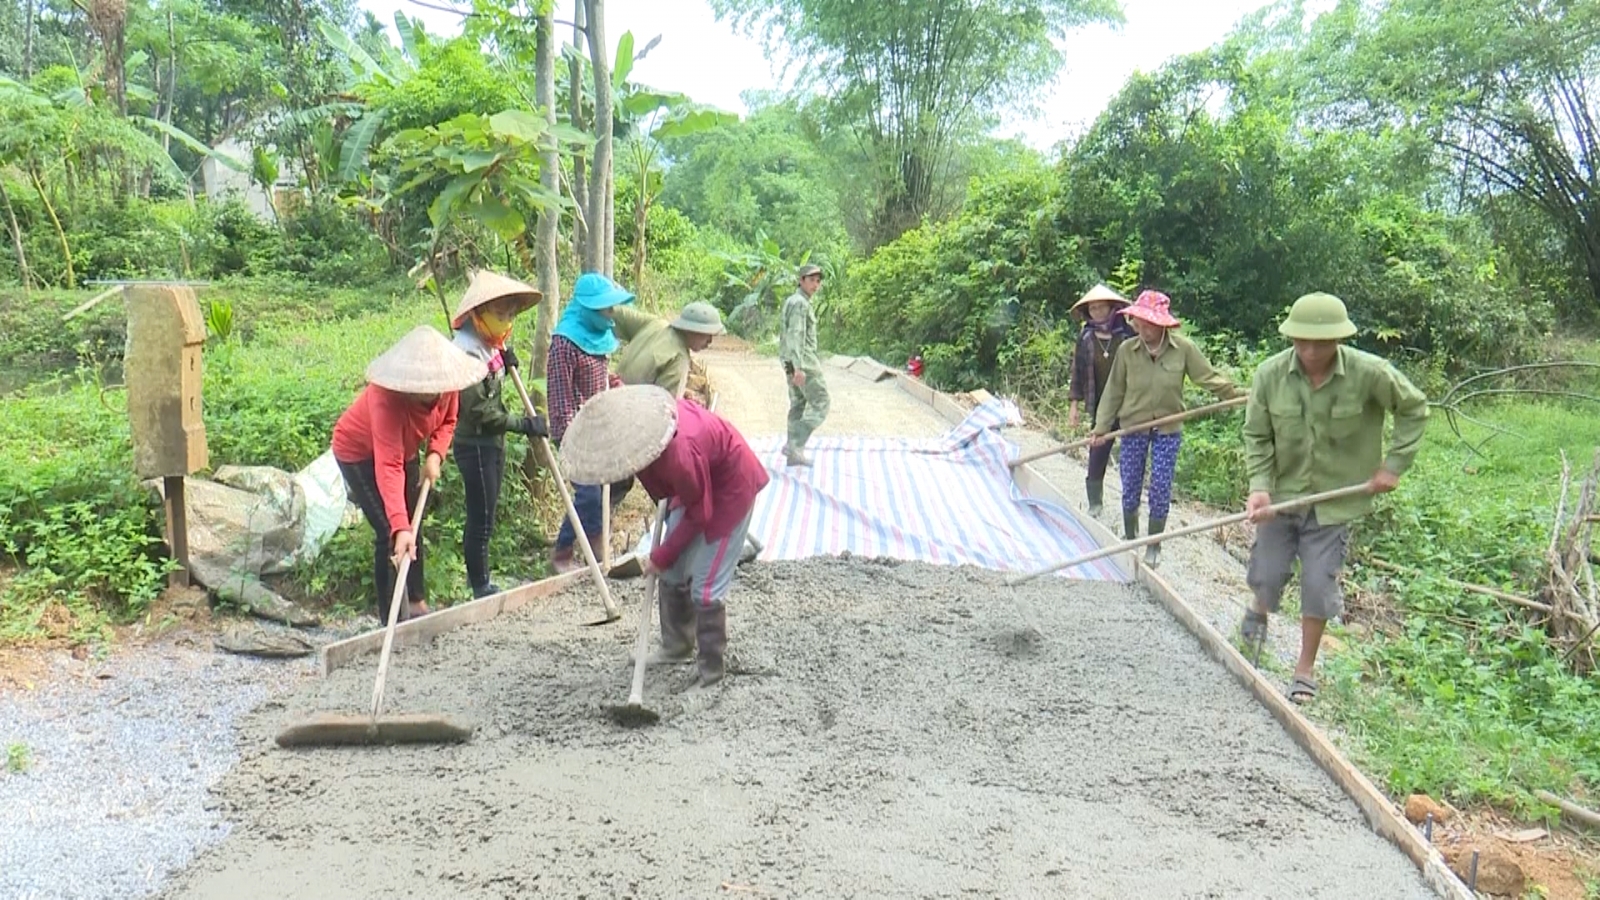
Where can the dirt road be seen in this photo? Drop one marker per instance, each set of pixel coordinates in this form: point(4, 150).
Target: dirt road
point(888, 730)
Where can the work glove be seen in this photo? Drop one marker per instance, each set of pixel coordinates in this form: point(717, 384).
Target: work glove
point(532, 426)
point(509, 357)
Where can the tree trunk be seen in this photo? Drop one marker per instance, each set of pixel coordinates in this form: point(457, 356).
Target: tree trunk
point(172, 81)
point(611, 220)
point(27, 44)
point(641, 210)
point(545, 228)
point(16, 234)
point(595, 251)
point(61, 234)
point(580, 185)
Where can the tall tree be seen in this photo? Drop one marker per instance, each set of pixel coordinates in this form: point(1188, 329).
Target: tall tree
point(597, 251)
point(1507, 89)
point(910, 77)
point(550, 169)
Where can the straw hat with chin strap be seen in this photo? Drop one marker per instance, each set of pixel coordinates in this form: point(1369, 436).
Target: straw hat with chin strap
point(425, 362)
point(487, 287)
point(618, 432)
point(1098, 294)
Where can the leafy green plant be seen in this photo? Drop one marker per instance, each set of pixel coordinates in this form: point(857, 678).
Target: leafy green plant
point(18, 758)
point(219, 319)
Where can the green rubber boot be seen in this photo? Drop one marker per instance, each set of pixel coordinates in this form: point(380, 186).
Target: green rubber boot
point(1097, 495)
point(1130, 525)
point(1152, 553)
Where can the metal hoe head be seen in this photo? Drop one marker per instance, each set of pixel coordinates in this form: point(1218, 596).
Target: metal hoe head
point(633, 715)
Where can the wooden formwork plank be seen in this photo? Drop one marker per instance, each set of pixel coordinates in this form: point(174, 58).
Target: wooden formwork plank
point(419, 631)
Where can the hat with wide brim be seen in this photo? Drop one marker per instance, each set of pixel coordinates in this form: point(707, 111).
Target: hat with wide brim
point(487, 287)
point(426, 362)
point(1153, 307)
point(595, 291)
point(699, 317)
point(1098, 294)
point(807, 270)
point(618, 432)
point(1318, 317)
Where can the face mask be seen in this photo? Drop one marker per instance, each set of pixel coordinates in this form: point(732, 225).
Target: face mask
point(493, 326)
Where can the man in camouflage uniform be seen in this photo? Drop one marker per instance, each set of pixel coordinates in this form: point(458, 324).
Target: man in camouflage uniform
point(797, 349)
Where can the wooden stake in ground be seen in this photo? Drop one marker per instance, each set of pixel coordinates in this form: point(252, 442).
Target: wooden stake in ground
point(600, 584)
point(1146, 426)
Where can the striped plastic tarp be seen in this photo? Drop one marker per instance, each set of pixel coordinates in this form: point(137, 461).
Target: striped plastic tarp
point(948, 501)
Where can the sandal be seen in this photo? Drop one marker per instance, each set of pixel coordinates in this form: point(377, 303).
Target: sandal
point(1302, 690)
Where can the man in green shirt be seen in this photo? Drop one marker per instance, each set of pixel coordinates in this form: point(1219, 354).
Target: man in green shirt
point(1314, 423)
point(657, 351)
point(797, 349)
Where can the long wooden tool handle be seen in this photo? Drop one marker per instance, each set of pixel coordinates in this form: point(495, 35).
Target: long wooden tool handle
point(651, 585)
point(1212, 525)
point(1145, 426)
point(394, 601)
point(605, 518)
point(572, 509)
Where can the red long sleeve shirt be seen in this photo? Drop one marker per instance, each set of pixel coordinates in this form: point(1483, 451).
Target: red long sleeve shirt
point(711, 472)
point(387, 428)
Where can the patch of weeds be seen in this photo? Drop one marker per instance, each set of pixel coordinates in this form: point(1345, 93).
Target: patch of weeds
point(18, 758)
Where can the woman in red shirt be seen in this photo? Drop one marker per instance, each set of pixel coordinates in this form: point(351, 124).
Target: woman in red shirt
point(410, 400)
point(700, 463)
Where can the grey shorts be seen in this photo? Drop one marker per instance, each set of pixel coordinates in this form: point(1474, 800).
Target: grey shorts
point(706, 567)
point(1320, 549)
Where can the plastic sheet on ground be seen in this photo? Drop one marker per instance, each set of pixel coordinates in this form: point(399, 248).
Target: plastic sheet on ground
point(948, 501)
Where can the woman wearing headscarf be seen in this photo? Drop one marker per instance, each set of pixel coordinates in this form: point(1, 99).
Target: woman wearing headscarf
point(1146, 383)
point(1103, 332)
point(582, 342)
point(483, 331)
point(410, 402)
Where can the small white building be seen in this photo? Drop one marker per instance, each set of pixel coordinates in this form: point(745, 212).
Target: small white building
point(221, 182)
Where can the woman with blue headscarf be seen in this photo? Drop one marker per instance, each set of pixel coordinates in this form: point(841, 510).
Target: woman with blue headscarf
point(582, 341)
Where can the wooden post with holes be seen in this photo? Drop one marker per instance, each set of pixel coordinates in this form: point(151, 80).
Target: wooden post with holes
point(162, 369)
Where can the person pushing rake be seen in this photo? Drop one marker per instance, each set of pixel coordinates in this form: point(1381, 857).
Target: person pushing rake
point(708, 477)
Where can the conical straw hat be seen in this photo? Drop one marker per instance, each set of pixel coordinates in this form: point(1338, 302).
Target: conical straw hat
point(426, 362)
point(618, 432)
point(486, 287)
point(1096, 294)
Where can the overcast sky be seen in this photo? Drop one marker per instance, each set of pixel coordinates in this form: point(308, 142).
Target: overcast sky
point(707, 60)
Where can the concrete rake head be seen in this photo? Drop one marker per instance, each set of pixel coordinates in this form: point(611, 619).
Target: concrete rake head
point(334, 730)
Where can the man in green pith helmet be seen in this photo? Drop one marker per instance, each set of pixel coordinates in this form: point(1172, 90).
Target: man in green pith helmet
point(1314, 423)
point(797, 349)
point(657, 350)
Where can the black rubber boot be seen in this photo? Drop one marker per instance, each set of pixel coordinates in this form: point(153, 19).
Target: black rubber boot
point(712, 632)
point(1097, 496)
point(1152, 553)
point(1130, 525)
point(676, 611)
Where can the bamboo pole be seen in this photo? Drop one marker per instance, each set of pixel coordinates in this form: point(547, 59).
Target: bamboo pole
point(1465, 585)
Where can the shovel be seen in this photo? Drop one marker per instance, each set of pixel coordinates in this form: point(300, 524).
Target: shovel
point(1146, 426)
point(1212, 525)
point(612, 614)
point(633, 714)
point(325, 729)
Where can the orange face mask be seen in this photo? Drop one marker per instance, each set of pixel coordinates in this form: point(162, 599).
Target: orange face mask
point(492, 326)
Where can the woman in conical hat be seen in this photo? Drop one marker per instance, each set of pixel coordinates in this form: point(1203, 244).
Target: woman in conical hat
point(1146, 383)
point(1103, 332)
point(483, 331)
point(409, 402)
point(580, 351)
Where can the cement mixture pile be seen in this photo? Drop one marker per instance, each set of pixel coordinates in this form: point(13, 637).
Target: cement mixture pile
point(886, 730)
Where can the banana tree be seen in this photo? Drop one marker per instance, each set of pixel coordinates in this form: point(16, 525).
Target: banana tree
point(651, 118)
point(480, 168)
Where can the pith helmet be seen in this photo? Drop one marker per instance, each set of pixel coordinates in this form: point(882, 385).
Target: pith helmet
point(699, 317)
point(1318, 317)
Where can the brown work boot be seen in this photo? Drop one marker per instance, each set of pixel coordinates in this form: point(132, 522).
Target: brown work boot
point(712, 631)
point(562, 561)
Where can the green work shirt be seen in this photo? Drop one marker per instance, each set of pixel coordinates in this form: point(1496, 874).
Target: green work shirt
point(797, 341)
point(1144, 387)
point(656, 353)
point(1301, 440)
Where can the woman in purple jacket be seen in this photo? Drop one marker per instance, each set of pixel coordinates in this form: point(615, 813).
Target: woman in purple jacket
point(1103, 331)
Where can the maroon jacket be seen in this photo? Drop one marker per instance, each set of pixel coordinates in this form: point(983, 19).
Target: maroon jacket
point(710, 471)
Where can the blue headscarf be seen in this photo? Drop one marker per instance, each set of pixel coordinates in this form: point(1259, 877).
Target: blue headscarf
point(582, 323)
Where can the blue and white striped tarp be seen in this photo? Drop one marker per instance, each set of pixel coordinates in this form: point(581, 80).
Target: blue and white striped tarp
point(948, 501)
